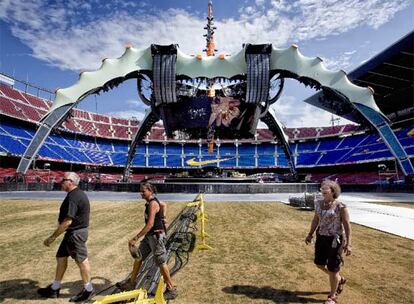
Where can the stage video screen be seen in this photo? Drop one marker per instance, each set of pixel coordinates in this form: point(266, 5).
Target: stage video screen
point(226, 116)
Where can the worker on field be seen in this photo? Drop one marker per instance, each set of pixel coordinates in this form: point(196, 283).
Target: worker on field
point(153, 241)
point(74, 222)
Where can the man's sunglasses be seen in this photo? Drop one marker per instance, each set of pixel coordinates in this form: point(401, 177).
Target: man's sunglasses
point(66, 179)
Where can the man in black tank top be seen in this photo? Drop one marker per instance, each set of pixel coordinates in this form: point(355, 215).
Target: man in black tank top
point(153, 242)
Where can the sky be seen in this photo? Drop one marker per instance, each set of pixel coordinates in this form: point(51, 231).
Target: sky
point(48, 43)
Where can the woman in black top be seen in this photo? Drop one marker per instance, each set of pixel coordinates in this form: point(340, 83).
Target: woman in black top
point(153, 242)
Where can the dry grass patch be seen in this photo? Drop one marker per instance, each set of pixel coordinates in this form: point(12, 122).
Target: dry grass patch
point(259, 255)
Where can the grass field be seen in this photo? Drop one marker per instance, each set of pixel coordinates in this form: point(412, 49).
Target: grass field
point(259, 256)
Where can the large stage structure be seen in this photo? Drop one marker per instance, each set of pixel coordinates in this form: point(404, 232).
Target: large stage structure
point(221, 96)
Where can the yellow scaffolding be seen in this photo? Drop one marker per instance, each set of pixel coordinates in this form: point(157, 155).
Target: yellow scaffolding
point(202, 217)
point(137, 296)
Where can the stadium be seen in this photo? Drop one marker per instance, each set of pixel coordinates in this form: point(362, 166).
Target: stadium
point(98, 145)
point(357, 153)
point(208, 129)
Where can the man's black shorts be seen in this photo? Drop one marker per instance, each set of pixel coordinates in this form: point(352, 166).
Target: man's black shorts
point(74, 245)
point(326, 255)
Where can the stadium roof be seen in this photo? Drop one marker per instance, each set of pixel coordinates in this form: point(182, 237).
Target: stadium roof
point(391, 75)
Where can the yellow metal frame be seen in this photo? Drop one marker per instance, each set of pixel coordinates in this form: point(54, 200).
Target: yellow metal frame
point(137, 296)
point(202, 217)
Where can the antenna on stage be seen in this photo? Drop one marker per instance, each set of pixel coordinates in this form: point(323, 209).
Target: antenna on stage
point(210, 46)
point(210, 51)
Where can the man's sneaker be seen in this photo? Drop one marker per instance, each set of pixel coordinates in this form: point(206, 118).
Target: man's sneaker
point(82, 296)
point(125, 285)
point(48, 292)
point(170, 294)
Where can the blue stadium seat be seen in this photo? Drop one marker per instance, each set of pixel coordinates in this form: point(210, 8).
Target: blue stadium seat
point(247, 149)
point(139, 160)
point(266, 161)
point(282, 160)
point(59, 139)
point(175, 149)
point(99, 157)
point(410, 151)
point(81, 149)
point(119, 159)
point(14, 130)
point(78, 154)
point(89, 144)
point(229, 163)
point(328, 144)
point(155, 161)
point(356, 157)
point(123, 147)
point(105, 146)
point(189, 149)
point(380, 154)
point(76, 143)
point(227, 150)
point(351, 141)
point(331, 157)
point(45, 151)
point(62, 153)
point(407, 142)
point(246, 160)
point(156, 148)
point(12, 145)
point(174, 161)
point(370, 139)
point(308, 159)
point(307, 146)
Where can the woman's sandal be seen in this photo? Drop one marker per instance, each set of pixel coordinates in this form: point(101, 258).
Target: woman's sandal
point(341, 284)
point(331, 300)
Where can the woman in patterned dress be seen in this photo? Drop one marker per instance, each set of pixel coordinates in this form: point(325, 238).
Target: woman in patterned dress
point(333, 236)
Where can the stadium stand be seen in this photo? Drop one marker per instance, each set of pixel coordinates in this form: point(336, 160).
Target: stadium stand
point(10, 93)
point(37, 102)
point(96, 139)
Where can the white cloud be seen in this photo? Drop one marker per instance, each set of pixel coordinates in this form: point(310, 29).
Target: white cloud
point(71, 37)
point(132, 103)
point(130, 114)
point(249, 10)
point(282, 5)
point(319, 18)
point(292, 113)
point(350, 52)
point(340, 62)
point(135, 104)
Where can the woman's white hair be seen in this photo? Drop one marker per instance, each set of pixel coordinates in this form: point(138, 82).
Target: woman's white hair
point(334, 186)
point(73, 177)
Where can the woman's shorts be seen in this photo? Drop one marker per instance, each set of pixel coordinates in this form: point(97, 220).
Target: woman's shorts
point(326, 255)
point(74, 245)
point(154, 243)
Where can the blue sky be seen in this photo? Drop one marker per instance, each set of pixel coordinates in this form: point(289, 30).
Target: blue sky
point(49, 42)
